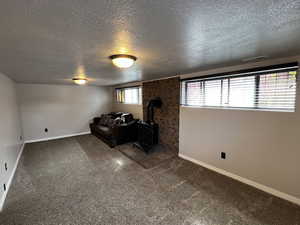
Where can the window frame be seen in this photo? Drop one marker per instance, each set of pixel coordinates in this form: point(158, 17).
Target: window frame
point(139, 97)
point(256, 73)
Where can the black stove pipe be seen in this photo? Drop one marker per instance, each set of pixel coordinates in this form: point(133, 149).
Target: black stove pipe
point(153, 103)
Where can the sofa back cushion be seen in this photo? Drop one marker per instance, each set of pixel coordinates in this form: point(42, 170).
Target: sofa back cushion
point(104, 119)
point(112, 119)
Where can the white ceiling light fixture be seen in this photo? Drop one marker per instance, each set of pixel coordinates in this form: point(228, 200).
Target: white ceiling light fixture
point(123, 60)
point(80, 81)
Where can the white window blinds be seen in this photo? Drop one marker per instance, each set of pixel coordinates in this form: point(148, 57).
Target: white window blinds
point(266, 89)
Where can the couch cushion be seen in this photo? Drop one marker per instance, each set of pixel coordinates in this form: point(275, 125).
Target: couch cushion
point(105, 119)
point(112, 119)
point(114, 115)
point(104, 130)
point(118, 121)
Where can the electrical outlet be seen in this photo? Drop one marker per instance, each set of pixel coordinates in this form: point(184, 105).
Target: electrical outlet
point(4, 187)
point(46, 130)
point(5, 166)
point(223, 155)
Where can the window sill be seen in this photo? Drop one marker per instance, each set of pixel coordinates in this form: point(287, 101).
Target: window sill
point(238, 108)
point(138, 104)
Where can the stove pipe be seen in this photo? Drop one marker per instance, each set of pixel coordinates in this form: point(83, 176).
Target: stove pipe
point(153, 103)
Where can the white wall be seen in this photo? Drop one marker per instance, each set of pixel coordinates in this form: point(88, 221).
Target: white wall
point(10, 131)
point(261, 146)
point(63, 109)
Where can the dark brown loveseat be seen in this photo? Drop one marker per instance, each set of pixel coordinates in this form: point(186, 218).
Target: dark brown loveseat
point(114, 128)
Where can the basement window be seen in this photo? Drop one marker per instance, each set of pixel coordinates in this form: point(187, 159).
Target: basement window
point(129, 95)
point(271, 88)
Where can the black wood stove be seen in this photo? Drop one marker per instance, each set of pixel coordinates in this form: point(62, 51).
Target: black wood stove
point(148, 132)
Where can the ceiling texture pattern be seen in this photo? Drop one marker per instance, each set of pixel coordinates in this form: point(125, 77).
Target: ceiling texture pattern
point(48, 41)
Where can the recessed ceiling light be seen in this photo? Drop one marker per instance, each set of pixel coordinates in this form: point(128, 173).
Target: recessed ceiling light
point(123, 60)
point(80, 81)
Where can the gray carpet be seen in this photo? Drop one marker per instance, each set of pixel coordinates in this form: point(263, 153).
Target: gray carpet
point(81, 181)
point(155, 157)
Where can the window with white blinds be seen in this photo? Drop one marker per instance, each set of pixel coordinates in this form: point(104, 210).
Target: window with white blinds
point(265, 89)
point(129, 95)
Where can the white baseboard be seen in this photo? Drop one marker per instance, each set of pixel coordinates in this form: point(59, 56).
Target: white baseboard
point(2, 201)
point(262, 187)
point(57, 137)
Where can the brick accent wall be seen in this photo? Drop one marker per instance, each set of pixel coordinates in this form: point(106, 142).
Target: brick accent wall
point(168, 116)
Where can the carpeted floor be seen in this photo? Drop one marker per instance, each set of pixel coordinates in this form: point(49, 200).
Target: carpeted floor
point(81, 181)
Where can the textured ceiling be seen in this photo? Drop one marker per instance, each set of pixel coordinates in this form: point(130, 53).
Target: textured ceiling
point(49, 41)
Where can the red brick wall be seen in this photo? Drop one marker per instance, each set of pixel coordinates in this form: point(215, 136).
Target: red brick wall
point(168, 116)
